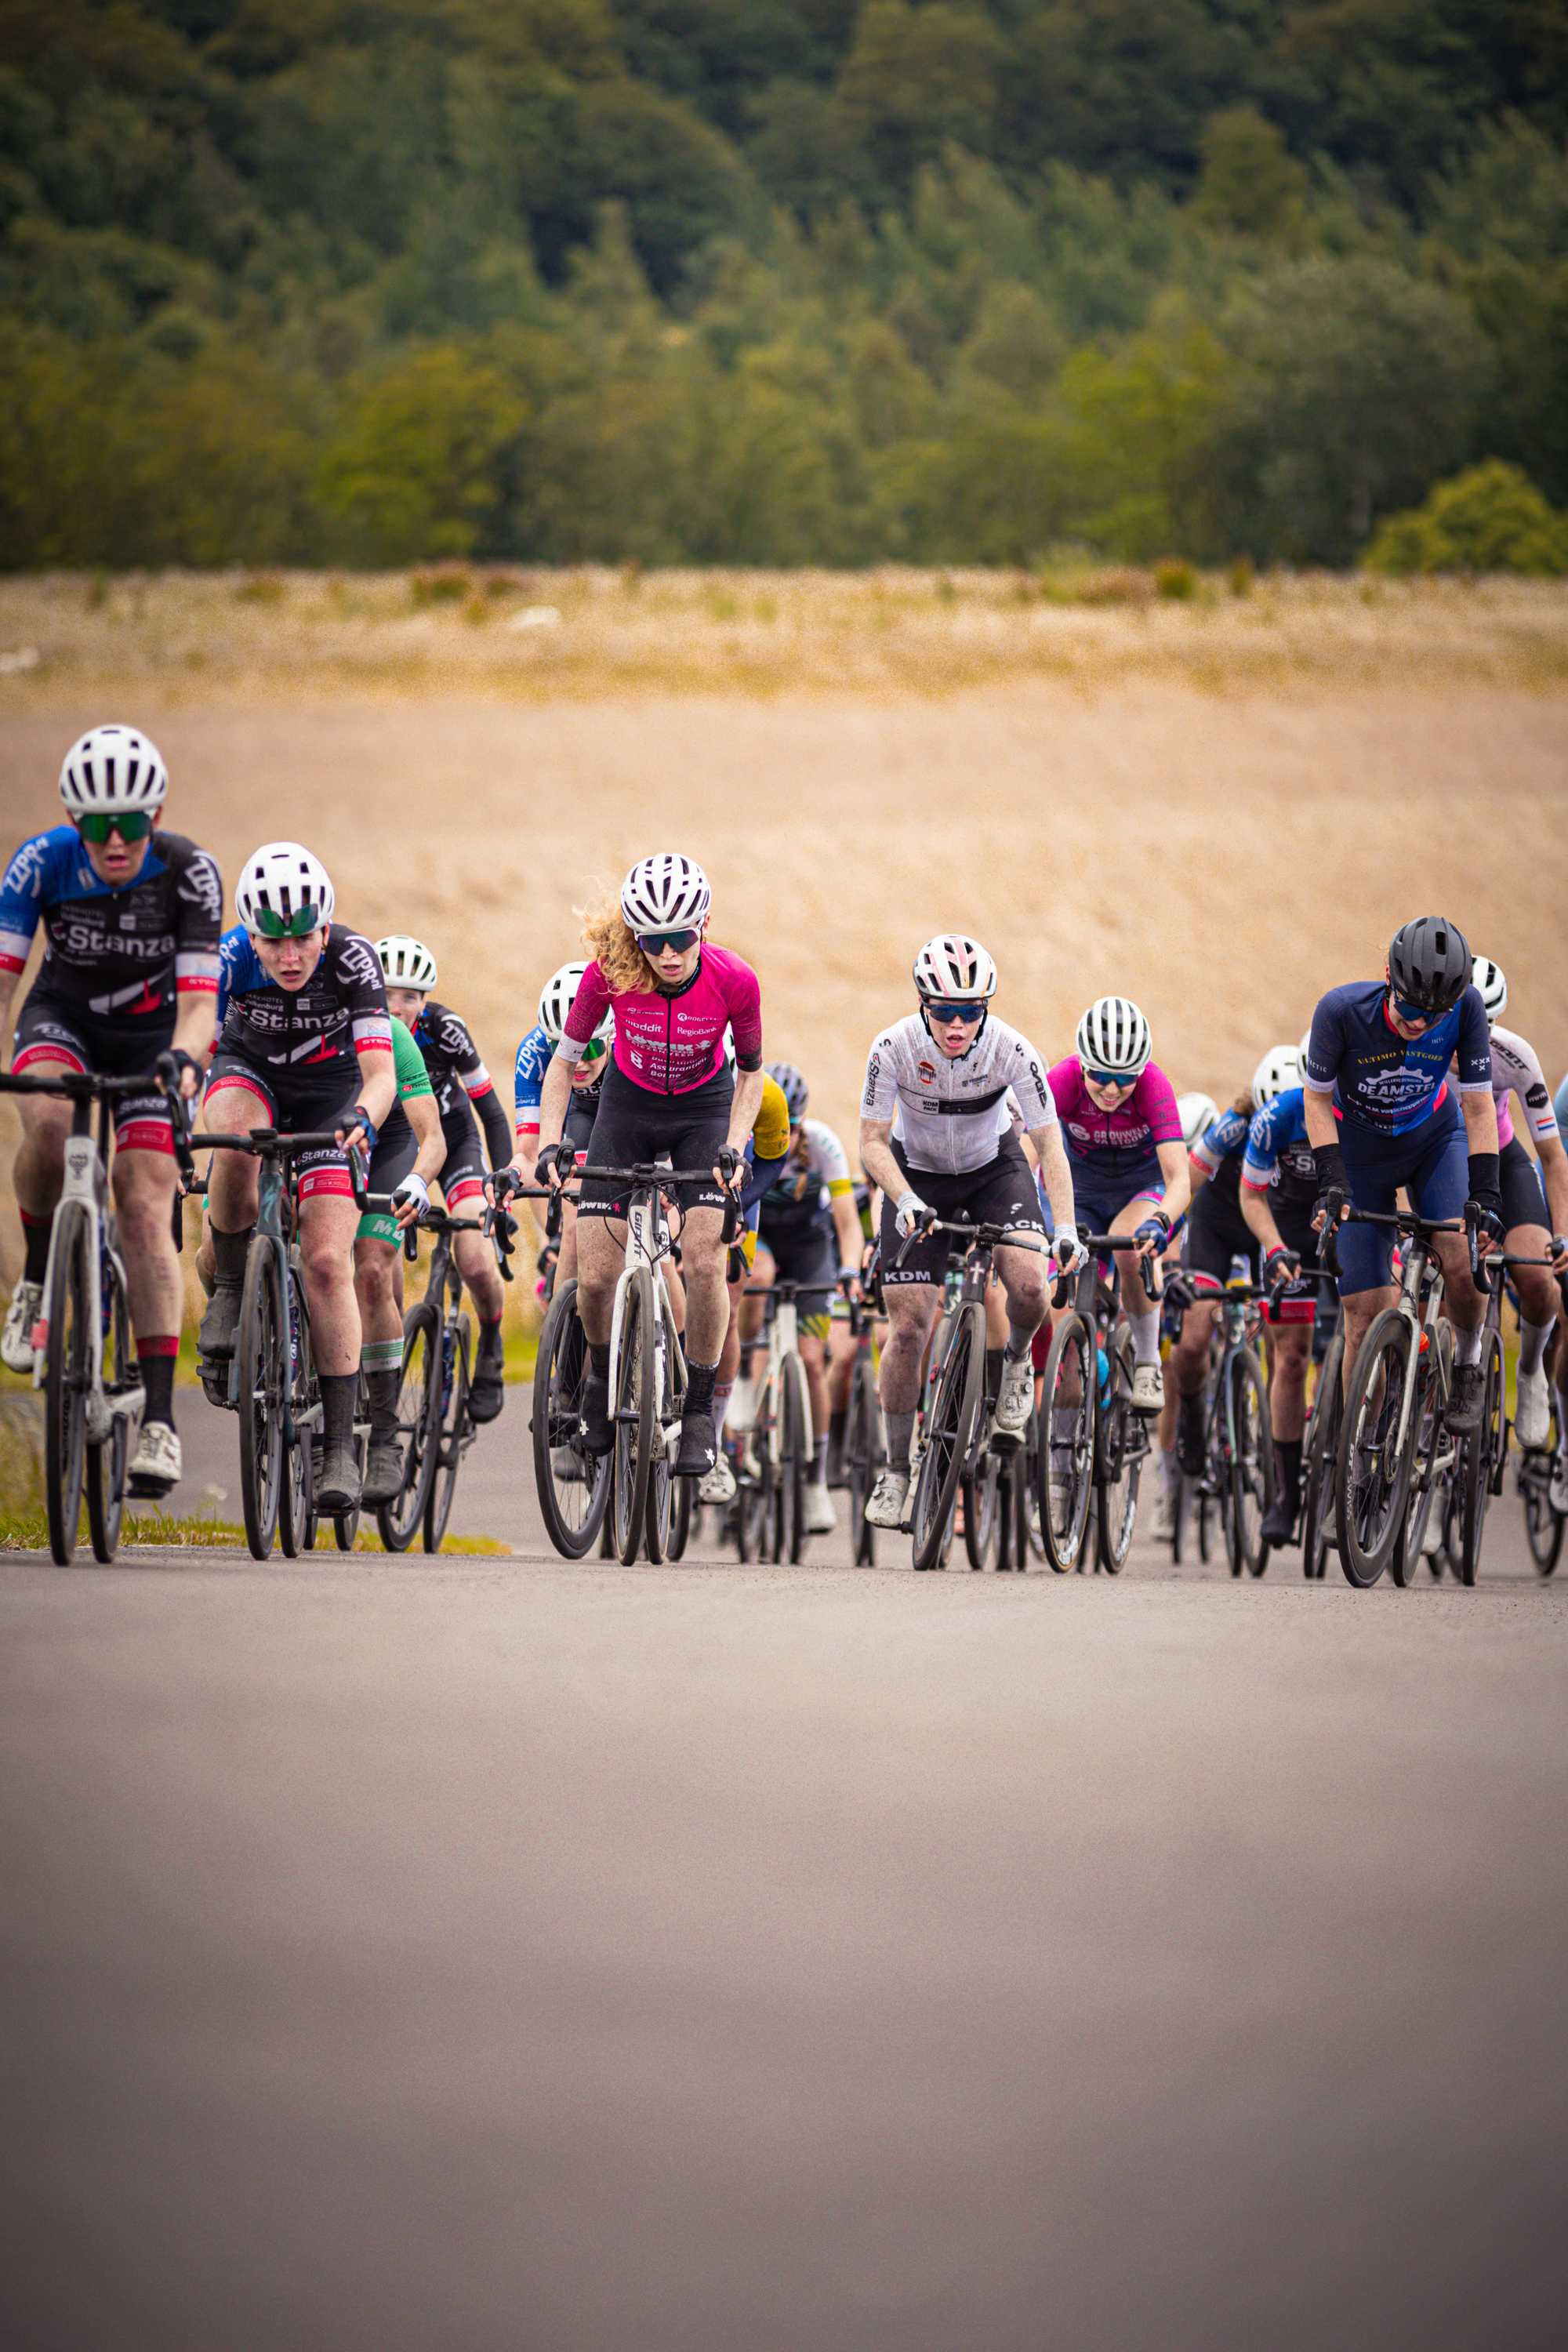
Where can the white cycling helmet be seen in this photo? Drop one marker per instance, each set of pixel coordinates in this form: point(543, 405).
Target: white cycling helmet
point(1279, 1071)
point(1303, 1048)
point(277, 884)
point(956, 968)
point(1197, 1114)
point(556, 1002)
point(1492, 985)
point(406, 963)
point(666, 893)
point(113, 768)
point(1114, 1035)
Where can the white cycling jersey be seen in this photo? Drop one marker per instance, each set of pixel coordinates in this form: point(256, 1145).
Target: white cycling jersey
point(1516, 1069)
point(951, 1117)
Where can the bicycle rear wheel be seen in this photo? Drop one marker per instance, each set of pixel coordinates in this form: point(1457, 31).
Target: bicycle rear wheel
point(864, 1454)
point(1252, 1458)
point(107, 1465)
point(418, 1426)
point(67, 1377)
point(261, 1360)
point(1371, 1480)
point(454, 1429)
point(1064, 1456)
point(1483, 1451)
point(1421, 1493)
point(793, 1444)
point(1543, 1526)
point(1121, 1462)
point(949, 1436)
point(634, 1407)
point(574, 1487)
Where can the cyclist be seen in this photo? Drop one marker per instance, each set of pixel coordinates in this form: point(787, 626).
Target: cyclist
point(1377, 1072)
point(766, 1148)
point(462, 1087)
point(306, 1043)
point(1279, 1191)
point(533, 1059)
point(666, 1091)
point(934, 1116)
point(132, 916)
point(1130, 1175)
point(808, 1234)
point(410, 1154)
point(1516, 1070)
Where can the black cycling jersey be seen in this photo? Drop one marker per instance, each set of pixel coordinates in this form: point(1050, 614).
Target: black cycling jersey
point(459, 1077)
point(118, 954)
point(341, 1010)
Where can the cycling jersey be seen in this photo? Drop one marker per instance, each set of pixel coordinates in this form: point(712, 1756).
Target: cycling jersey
point(122, 952)
point(1121, 1142)
point(952, 1116)
point(1386, 1083)
point(396, 1146)
point(1220, 1149)
point(462, 1085)
point(339, 1014)
point(1516, 1070)
point(801, 1196)
point(1278, 1156)
point(534, 1057)
point(669, 1043)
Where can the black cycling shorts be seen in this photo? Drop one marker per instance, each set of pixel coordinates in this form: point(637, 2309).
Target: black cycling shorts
point(1518, 1179)
point(463, 1168)
point(1001, 1194)
point(634, 1125)
point(1216, 1233)
point(809, 1260)
point(55, 1028)
point(296, 1100)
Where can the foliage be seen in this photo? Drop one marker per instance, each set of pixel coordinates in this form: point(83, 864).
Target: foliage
point(1490, 519)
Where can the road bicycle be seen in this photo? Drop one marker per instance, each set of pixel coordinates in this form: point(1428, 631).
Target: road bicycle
point(1235, 1483)
point(773, 1436)
point(435, 1427)
point(271, 1379)
point(1319, 1454)
point(84, 1353)
point(865, 1443)
point(1542, 1525)
point(1092, 1445)
point(1482, 1454)
point(957, 1453)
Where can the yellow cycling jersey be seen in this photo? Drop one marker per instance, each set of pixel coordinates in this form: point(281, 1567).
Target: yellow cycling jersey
point(770, 1128)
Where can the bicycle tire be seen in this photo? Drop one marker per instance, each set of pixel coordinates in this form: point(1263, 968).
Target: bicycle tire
point(573, 1508)
point(418, 1426)
point(454, 1431)
point(980, 1489)
point(1318, 1462)
point(106, 1464)
point(1481, 1450)
point(661, 1514)
point(949, 1436)
point(260, 1352)
point(632, 1406)
point(346, 1524)
point(1542, 1525)
point(297, 1496)
point(1117, 1498)
point(1432, 1385)
point(1064, 1451)
point(1370, 1485)
point(863, 1453)
point(789, 1495)
point(1251, 1458)
point(67, 1378)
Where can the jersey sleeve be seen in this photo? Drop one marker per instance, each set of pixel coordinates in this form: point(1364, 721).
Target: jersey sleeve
point(360, 976)
point(1325, 1047)
point(1030, 1085)
point(238, 968)
point(413, 1077)
point(1518, 1059)
point(22, 894)
point(743, 994)
point(879, 1096)
point(528, 1081)
point(198, 922)
point(589, 1007)
point(1473, 1049)
point(1157, 1101)
point(1262, 1156)
point(770, 1128)
point(1063, 1080)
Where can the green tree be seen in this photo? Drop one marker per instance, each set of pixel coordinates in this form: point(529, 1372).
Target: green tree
point(415, 470)
point(917, 79)
point(1491, 519)
point(1249, 181)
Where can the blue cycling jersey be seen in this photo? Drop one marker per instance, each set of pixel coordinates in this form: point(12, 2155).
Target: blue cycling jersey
point(1386, 1083)
point(534, 1057)
point(1278, 1152)
point(1559, 1102)
point(120, 951)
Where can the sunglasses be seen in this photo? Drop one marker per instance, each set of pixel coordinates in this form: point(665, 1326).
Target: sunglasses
point(130, 824)
point(594, 1050)
point(654, 943)
point(298, 926)
point(1110, 1079)
point(1408, 1012)
point(940, 1012)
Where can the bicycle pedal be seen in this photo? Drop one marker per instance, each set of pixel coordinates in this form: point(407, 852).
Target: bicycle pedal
point(147, 1490)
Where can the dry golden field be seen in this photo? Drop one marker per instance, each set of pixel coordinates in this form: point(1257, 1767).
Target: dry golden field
point(1219, 805)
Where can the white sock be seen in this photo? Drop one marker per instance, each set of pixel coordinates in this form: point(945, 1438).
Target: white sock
point(1533, 1338)
point(1468, 1345)
point(1146, 1336)
point(722, 1392)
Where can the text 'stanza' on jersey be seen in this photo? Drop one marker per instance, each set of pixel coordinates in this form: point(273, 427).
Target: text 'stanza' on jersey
point(121, 953)
point(1516, 1070)
point(1383, 1081)
point(950, 1117)
point(671, 1044)
point(341, 1012)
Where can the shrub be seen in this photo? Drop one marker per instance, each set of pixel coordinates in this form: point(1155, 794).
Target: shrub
point(1175, 579)
point(1491, 518)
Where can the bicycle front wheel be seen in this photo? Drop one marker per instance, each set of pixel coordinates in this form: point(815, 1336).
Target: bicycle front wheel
point(1483, 1456)
point(261, 1359)
point(573, 1485)
point(454, 1429)
point(864, 1454)
point(1372, 1476)
point(949, 1436)
point(982, 1491)
point(107, 1465)
point(1121, 1465)
point(418, 1426)
point(1318, 1462)
point(634, 1407)
point(1251, 1459)
point(67, 1376)
point(794, 1440)
point(1063, 1456)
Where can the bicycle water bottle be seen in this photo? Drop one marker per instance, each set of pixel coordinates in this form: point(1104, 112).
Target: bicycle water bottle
point(1240, 1269)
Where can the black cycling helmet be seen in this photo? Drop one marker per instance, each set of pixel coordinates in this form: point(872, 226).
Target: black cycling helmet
point(792, 1087)
point(1430, 964)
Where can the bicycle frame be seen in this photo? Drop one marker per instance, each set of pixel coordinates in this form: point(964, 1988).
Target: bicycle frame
point(86, 1181)
point(647, 1244)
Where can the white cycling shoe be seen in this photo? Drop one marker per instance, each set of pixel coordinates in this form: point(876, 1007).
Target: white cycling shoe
point(1148, 1389)
point(156, 1464)
point(719, 1484)
point(885, 1505)
point(1014, 1402)
point(821, 1519)
point(1532, 1411)
point(17, 1340)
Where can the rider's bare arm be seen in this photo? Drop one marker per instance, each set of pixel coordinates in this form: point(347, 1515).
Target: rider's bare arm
point(743, 1109)
point(1178, 1177)
point(8, 991)
point(1258, 1217)
point(1051, 1153)
point(377, 1084)
point(195, 1027)
point(1479, 1107)
point(1554, 1177)
point(553, 1097)
point(876, 1159)
point(1318, 1110)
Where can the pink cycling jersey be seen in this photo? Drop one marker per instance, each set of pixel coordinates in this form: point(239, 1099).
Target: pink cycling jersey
point(671, 1044)
point(1113, 1141)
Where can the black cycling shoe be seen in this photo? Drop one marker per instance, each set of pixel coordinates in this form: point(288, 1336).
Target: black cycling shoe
point(337, 1481)
point(698, 1446)
point(1463, 1414)
point(1190, 1436)
point(215, 1337)
point(383, 1471)
point(598, 1430)
point(1278, 1528)
point(487, 1391)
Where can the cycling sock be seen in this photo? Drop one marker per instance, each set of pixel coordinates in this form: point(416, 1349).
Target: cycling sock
point(1468, 1345)
point(1287, 1455)
point(700, 1382)
point(993, 1372)
point(383, 1361)
point(900, 1430)
point(338, 1407)
point(1019, 1341)
point(722, 1392)
point(599, 1362)
point(490, 1335)
point(1145, 1336)
point(35, 1232)
point(837, 1422)
point(229, 1253)
point(1533, 1338)
point(819, 1461)
point(155, 1365)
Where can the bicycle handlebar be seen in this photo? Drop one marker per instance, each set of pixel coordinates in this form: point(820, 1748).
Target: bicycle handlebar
point(1102, 1245)
point(1419, 1228)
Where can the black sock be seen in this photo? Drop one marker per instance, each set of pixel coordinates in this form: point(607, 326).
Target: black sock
point(337, 1391)
point(382, 1388)
point(35, 1232)
point(993, 1372)
point(157, 1377)
point(699, 1379)
point(1287, 1456)
point(229, 1253)
point(599, 1362)
point(837, 1422)
point(491, 1341)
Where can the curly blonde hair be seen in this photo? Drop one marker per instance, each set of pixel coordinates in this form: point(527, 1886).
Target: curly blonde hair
point(611, 941)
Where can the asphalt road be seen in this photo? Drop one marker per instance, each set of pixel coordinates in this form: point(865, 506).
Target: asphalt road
point(491, 1952)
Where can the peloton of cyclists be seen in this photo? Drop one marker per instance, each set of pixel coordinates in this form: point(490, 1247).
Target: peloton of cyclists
point(306, 1043)
point(132, 916)
point(535, 1055)
point(934, 1116)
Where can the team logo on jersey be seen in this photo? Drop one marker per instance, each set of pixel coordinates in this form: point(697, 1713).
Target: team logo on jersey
point(926, 1073)
point(1536, 1098)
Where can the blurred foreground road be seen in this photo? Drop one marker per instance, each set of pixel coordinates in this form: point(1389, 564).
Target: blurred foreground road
point(494, 1953)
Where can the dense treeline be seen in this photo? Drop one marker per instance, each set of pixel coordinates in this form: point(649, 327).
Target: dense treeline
point(771, 280)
